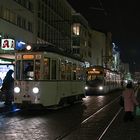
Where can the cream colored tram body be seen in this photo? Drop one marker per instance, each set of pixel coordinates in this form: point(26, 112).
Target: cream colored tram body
point(48, 77)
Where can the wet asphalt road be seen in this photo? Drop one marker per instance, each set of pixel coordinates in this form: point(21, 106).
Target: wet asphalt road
point(58, 124)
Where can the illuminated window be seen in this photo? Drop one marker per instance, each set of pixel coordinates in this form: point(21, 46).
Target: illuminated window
point(68, 70)
point(46, 68)
point(79, 73)
point(37, 69)
point(28, 69)
point(63, 70)
point(74, 72)
point(76, 29)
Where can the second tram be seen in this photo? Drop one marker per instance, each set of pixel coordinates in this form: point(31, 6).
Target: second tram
point(101, 80)
point(48, 77)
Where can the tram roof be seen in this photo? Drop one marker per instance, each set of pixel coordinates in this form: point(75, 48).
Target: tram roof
point(53, 49)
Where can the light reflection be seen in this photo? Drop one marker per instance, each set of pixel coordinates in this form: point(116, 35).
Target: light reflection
point(101, 98)
point(87, 98)
point(15, 109)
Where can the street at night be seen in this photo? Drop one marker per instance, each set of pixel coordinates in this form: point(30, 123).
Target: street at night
point(85, 120)
point(64, 66)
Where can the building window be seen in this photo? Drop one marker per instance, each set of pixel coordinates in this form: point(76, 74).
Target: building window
point(76, 50)
point(19, 21)
point(12, 17)
point(29, 5)
point(23, 23)
point(76, 29)
point(75, 41)
point(6, 14)
point(30, 27)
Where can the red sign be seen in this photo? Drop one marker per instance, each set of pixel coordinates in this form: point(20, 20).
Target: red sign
point(7, 44)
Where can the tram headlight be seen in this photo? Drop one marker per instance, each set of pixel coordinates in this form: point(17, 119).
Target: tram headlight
point(35, 90)
point(100, 87)
point(17, 90)
point(86, 87)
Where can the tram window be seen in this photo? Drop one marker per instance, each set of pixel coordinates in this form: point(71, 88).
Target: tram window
point(74, 72)
point(89, 77)
point(37, 69)
point(46, 68)
point(68, 71)
point(53, 70)
point(63, 71)
point(28, 72)
point(79, 73)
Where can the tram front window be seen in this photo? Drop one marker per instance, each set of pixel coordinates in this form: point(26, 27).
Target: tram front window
point(28, 70)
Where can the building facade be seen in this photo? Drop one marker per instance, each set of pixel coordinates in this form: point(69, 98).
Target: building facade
point(98, 47)
point(16, 24)
point(39, 21)
point(55, 22)
point(80, 36)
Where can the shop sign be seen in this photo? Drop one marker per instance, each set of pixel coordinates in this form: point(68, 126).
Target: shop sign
point(7, 44)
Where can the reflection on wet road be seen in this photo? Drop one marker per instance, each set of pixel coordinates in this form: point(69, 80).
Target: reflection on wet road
point(50, 124)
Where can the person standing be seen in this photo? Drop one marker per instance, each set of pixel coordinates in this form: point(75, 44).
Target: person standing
point(7, 87)
point(130, 102)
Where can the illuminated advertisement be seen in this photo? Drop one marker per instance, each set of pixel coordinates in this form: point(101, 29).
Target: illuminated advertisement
point(7, 44)
point(4, 68)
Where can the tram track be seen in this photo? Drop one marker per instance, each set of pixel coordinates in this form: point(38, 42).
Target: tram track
point(64, 135)
point(70, 130)
point(113, 119)
point(106, 128)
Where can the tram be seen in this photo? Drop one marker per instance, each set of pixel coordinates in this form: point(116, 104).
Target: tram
point(100, 80)
point(46, 76)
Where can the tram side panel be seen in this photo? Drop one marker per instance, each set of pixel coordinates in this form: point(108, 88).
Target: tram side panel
point(78, 88)
point(48, 93)
point(61, 92)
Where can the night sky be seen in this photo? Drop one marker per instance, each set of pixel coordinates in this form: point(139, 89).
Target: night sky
point(122, 18)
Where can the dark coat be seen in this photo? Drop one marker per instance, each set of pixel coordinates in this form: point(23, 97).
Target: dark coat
point(8, 82)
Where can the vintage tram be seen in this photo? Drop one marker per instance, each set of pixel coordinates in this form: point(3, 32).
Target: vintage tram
point(47, 76)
